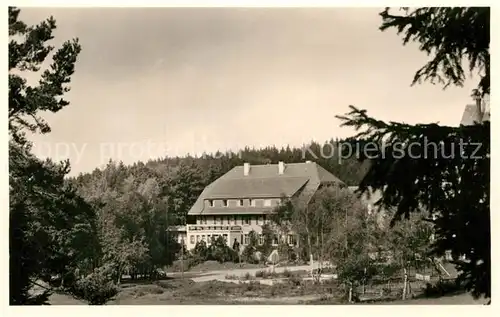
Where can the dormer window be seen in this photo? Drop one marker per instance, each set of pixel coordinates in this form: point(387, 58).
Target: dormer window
point(211, 203)
point(240, 202)
point(224, 202)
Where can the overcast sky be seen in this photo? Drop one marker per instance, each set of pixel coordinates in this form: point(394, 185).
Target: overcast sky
point(151, 82)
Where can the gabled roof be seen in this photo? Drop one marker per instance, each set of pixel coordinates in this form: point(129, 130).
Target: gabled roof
point(263, 181)
point(471, 114)
point(257, 187)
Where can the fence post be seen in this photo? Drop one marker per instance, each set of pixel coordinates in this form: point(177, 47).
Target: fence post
point(364, 282)
point(350, 292)
point(405, 286)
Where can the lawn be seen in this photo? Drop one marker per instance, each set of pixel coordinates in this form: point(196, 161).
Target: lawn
point(208, 266)
point(293, 291)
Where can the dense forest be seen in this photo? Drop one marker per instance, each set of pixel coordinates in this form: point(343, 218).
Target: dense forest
point(177, 182)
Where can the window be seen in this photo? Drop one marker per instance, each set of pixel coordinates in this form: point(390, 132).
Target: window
point(253, 202)
point(292, 239)
point(209, 239)
point(224, 202)
point(240, 202)
point(197, 238)
point(260, 220)
point(211, 203)
point(191, 239)
point(203, 238)
point(225, 237)
point(228, 220)
point(275, 240)
point(267, 203)
point(261, 239)
point(218, 220)
point(246, 239)
point(247, 220)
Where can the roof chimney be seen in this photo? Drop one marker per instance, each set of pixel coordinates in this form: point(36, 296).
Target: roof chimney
point(281, 168)
point(246, 169)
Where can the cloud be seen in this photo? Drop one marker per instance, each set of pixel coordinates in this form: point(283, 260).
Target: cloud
point(234, 77)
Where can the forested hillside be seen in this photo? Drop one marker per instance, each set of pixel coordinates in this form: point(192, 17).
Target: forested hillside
point(174, 184)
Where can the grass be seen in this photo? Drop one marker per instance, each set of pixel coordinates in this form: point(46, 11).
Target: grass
point(293, 290)
point(212, 266)
point(266, 274)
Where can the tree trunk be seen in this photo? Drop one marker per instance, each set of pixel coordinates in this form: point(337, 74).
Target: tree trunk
point(309, 246)
point(118, 280)
point(405, 286)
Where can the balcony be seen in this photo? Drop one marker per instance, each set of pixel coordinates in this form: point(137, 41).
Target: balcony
point(231, 228)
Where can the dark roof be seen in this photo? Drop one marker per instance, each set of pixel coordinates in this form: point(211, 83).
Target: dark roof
point(257, 187)
point(263, 181)
point(470, 115)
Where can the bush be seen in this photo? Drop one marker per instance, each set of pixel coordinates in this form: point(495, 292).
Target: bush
point(442, 287)
point(292, 255)
point(248, 254)
point(219, 251)
point(200, 251)
point(247, 276)
point(295, 280)
point(96, 288)
point(287, 273)
point(252, 286)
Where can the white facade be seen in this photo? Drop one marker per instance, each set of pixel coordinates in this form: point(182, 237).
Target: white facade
point(230, 227)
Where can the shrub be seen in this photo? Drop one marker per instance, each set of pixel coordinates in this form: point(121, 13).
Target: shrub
point(248, 254)
point(247, 276)
point(295, 280)
point(231, 277)
point(96, 288)
point(287, 273)
point(442, 287)
point(200, 251)
point(252, 286)
point(219, 251)
point(292, 255)
point(260, 273)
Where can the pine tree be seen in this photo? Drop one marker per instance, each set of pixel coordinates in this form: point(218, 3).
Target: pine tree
point(450, 181)
point(52, 229)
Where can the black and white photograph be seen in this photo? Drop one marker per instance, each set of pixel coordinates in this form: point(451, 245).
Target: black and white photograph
point(258, 155)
